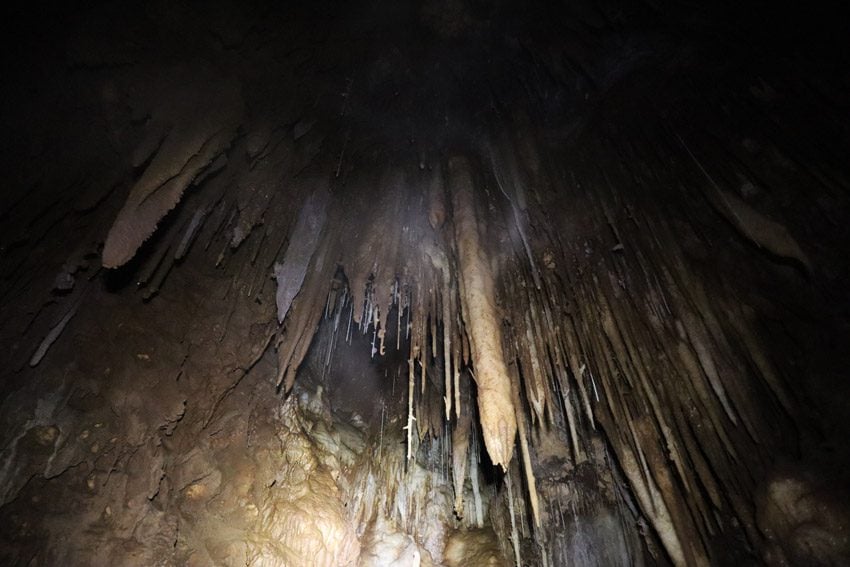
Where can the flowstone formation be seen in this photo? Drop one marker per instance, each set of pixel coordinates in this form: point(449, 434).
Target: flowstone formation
point(455, 283)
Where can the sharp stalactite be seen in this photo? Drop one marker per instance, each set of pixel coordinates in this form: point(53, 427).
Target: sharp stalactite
point(425, 283)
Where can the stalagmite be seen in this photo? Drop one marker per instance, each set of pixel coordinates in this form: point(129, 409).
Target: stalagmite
point(480, 316)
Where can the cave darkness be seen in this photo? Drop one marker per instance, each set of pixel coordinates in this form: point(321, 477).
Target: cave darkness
point(450, 282)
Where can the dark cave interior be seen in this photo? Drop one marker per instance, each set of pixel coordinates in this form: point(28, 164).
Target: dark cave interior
point(448, 282)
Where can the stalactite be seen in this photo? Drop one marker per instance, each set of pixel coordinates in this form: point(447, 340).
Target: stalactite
point(460, 457)
point(153, 266)
point(185, 153)
point(759, 358)
point(577, 369)
point(292, 269)
point(530, 481)
point(455, 358)
point(657, 512)
point(698, 342)
point(55, 332)
point(424, 425)
point(303, 318)
point(495, 403)
point(581, 270)
point(436, 199)
point(761, 230)
point(517, 204)
point(450, 396)
point(514, 532)
point(191, 231)
point(411, 390)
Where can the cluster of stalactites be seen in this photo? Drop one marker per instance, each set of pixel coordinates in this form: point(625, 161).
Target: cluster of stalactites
point(545, 347)
point(446, 292)
point(549, 332)
point(434, 266)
